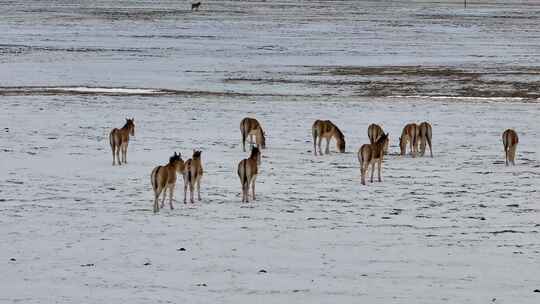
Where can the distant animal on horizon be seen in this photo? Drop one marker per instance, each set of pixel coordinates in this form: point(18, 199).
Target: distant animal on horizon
point(371, 154)
point(248, 169)
point(375, 132)
point(192, 175)
point(119, 140)
point(195, 6)
point(327, 130)
point(424, 137)
point(409, 135)
point(251, 130)
point(510, 142)
point(164, 177)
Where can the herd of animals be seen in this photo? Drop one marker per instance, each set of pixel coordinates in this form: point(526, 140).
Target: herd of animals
point(163, 178)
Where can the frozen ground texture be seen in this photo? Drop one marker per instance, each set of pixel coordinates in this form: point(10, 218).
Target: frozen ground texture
point(458, 228)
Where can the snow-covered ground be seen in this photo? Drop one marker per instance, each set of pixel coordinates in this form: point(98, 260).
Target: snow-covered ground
point(457, 228)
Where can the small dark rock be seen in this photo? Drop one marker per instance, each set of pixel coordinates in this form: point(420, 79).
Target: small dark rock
point(537, 290)
point(111, 188)
point(88, 265)
point(181, 249)
point(262, 271)
point(202, 285)
point(147, 264)
point(13, 259)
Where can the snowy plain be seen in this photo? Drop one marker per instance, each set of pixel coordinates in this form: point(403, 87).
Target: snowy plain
point(457, 228)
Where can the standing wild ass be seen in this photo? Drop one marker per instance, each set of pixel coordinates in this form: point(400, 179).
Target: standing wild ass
point(371, 154)
point(374, 133)
point(248, 169)
point(192, 175)
point(119, 139)
point(510, 142)
point(164, 177)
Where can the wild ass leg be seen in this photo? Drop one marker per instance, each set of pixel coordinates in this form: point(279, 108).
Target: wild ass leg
point(413, 147)
point(125, 152)
point(506, 155)
point(199, 188)
point(320, 143)
point(363, 169)
point(315, 145)
point(253, 186)
point(513, 154)
point(422, 146)
point(380, 163)
point(164, 196)
point(185, 189)
point(429, 144)
point(118, 159)
point(327, 151)
point(191, 188)
point(112, 148)
point(245, 190)
point(171, 191)
point(156, 200)
point(372, 170)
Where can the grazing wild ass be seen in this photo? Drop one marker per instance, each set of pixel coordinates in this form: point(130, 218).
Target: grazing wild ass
point(119, 139)
point(510, 142)
point(374, 133)
point(371, 154)
point(164, 177)
point(326, 129)
point(195, 6)
point(409, 135)
point(424, 137)
point(192, 175)
point(250, 127)
point(248, 169)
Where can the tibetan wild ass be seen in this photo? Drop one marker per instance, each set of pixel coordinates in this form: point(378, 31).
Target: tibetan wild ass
point(248, 169)
point(192, 175)
point(371, 154)
point(326, 129)
point(164, 177)
point(510, 142)
point(119, 139)
point(250, 127)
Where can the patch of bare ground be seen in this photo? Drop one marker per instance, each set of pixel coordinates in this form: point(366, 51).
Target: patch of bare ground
point(436, 81)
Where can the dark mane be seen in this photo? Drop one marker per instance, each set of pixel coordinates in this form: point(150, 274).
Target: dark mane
point(174, 158)
point(382, 139)
point(340, 134)
point(128, 123)
point(254, 152)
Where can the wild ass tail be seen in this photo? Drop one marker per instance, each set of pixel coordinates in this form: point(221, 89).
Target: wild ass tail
point(243, 130)
point(111, 140)
point(153, 178)
point(315, 134)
